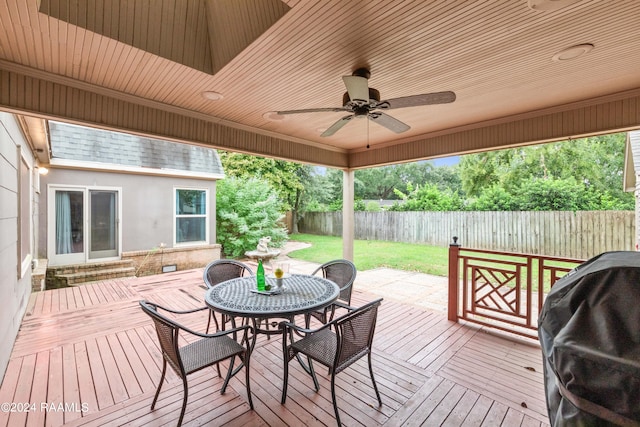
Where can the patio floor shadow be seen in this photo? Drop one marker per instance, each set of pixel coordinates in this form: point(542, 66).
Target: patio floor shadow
point(88, 355)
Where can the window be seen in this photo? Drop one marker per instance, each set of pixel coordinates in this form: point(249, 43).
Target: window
point(191, 216)
point(25, 216)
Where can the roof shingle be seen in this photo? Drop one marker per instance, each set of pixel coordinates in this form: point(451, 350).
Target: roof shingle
point(73, 142)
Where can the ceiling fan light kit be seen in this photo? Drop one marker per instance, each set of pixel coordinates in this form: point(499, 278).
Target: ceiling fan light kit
point(572, 52)
point(273, 116)
point(549, 5)
point(362, 101)
point(211, 95)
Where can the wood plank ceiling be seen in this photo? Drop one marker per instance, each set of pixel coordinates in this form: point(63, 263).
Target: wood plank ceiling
point(142, 66)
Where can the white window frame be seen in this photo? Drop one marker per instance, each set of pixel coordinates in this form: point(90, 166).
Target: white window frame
point(176, 216)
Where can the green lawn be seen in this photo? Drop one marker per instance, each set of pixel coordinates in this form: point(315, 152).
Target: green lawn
point(370, 254)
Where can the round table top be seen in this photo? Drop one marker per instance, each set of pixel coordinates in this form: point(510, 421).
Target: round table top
point(302, 293)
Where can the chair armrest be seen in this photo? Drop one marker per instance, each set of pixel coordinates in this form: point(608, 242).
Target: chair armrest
point(194, 310)
point(246, 328)
point(343, 305)
point(284, 325)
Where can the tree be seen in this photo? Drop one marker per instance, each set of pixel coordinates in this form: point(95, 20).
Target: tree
point(428, 197)
point(494, 198)
point(247, 210)
point(549, 194)
point(594, 164)
point(287, 178)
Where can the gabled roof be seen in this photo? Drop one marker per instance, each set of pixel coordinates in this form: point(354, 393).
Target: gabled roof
point(100, 149)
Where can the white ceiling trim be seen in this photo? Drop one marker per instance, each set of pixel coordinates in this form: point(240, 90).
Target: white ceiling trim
point(110, 167)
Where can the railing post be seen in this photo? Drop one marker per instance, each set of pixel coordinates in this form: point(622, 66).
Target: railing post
point(454, 280)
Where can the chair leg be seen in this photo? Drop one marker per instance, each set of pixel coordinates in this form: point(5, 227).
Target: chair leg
point(228, 377)
point(164, 371)
point(307, 320)
point(246, 373)
point(184, 400)
point(211, 315)
point(313, 374)
point(285, 359)
point(375, 387)
point(333, 397)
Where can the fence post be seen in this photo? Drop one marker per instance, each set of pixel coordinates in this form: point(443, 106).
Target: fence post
point(454, 280)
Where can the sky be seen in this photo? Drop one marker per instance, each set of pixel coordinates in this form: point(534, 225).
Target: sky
point(445, 161)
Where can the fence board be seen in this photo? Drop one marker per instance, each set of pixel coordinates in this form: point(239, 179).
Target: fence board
point(564, 234)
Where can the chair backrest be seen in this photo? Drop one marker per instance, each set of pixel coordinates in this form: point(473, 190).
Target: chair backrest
point(355, 334)
point(343, 273)
point(167, 331)
point(221, 270)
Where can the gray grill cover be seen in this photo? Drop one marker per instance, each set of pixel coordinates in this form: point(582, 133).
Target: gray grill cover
point(589, 331)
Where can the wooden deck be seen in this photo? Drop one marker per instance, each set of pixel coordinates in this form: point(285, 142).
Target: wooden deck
point(92, 349)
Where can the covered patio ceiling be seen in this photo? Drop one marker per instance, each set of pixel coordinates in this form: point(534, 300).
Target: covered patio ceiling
point(146, 66)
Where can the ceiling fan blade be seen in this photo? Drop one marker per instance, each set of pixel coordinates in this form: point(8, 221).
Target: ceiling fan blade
point(337, 126)
point(389, 122)
point(313, 110)
point(358, 88)
point(417, 100)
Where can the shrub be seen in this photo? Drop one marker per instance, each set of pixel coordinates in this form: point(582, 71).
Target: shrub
point(246, 211)
point(494, 198)
point(428, 198)
point(372, 206)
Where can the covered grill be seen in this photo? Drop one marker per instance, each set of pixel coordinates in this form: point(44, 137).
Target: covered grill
point(589, 331)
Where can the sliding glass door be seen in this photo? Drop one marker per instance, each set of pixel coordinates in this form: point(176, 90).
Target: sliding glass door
point(83, 225)
point(103, 222)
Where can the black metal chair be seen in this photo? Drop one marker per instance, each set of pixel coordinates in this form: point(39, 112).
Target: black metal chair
point(343, 273)
point(219, 271)
point(337, 350)
point(210, 349)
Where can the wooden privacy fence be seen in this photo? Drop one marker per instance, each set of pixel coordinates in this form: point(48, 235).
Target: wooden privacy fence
point(579, 235)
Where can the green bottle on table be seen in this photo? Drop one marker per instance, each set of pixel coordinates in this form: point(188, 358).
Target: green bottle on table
point(260, 276)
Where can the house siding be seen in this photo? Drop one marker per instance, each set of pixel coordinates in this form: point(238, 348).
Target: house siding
point(147, 204)
point(15, 288)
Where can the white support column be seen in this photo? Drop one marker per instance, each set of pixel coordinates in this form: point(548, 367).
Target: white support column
point(348, 221)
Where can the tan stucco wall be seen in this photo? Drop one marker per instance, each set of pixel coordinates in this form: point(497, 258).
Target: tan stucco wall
point(147, 204)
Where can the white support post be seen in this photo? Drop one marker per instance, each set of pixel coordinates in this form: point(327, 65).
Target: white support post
point(348, 216)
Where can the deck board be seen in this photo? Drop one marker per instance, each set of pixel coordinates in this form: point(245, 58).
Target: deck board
point(92, 345)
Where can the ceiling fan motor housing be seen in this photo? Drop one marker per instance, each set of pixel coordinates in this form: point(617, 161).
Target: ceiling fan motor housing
point(374, 99)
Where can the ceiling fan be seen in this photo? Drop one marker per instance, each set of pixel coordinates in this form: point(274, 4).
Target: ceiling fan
point(363, 101)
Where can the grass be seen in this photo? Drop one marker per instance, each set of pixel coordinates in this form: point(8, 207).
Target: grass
point(370, 254)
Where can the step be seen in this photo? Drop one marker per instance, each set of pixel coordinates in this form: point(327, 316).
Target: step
point(96, 275)
point(94, 266)
point(70, 275)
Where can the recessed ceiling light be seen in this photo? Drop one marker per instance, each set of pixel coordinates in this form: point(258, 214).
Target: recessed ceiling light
point(548, 5)
point(572, 52)
point(211, 95)
point(273, 116)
